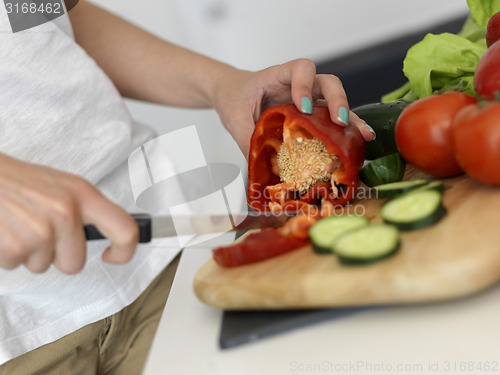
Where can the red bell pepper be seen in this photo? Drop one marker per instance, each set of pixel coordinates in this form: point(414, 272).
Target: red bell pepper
point(297, 161)
point(256, 247)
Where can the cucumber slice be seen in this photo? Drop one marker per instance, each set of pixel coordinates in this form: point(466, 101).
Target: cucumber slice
point(327, 230)
point(396, 188)
point(384, 170)
point(367, 244)
point(415, 210)
point(433, 185)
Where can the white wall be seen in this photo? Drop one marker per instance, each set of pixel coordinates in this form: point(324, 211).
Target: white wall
point(253, 34)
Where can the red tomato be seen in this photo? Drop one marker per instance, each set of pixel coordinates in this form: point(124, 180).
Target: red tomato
point(423, 136)
point(475, 134)
point(256, 247)
point(493, 29)
point(487, 75)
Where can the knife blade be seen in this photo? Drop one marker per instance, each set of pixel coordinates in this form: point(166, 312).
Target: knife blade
point(151, 227)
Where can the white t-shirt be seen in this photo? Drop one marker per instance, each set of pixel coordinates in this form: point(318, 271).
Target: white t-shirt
point(58, 108)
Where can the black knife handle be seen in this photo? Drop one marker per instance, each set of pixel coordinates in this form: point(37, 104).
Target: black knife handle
point(142, 220)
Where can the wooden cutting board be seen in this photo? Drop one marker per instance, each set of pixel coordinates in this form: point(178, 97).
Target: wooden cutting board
point(456, 257)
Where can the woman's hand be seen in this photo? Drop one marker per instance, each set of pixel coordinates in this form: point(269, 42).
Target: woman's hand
point(241, 96)
point(42, 215)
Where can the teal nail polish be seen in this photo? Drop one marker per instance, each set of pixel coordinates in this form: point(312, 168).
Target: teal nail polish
point(372, 131)
point(307, 105)
point(343, 115)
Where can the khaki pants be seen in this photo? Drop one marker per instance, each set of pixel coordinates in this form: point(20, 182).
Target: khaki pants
point(117, 345)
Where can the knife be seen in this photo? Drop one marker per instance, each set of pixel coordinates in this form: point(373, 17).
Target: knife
point(168, 226)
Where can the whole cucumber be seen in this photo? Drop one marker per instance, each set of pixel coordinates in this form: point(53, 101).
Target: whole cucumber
point(382, 117)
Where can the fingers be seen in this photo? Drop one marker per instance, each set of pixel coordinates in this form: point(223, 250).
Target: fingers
point(52, 231)
point(302, 77)
point(25, 237)
point(111, 220)
point(69, 238)
point(308, 87)
point(366, 130)
point(42, 218)
point(329, 88)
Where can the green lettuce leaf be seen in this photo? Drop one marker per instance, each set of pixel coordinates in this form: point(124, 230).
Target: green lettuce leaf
point(439, 63)
point(446, 61)
point(482, 10)
point(473, 32)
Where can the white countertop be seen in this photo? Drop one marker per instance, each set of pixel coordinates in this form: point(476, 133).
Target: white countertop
point(454, 337)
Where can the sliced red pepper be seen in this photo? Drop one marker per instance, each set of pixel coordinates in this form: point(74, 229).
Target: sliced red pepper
point(279, 127)
point(256, 247)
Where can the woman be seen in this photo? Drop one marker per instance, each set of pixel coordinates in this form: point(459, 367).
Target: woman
point(66, 139)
